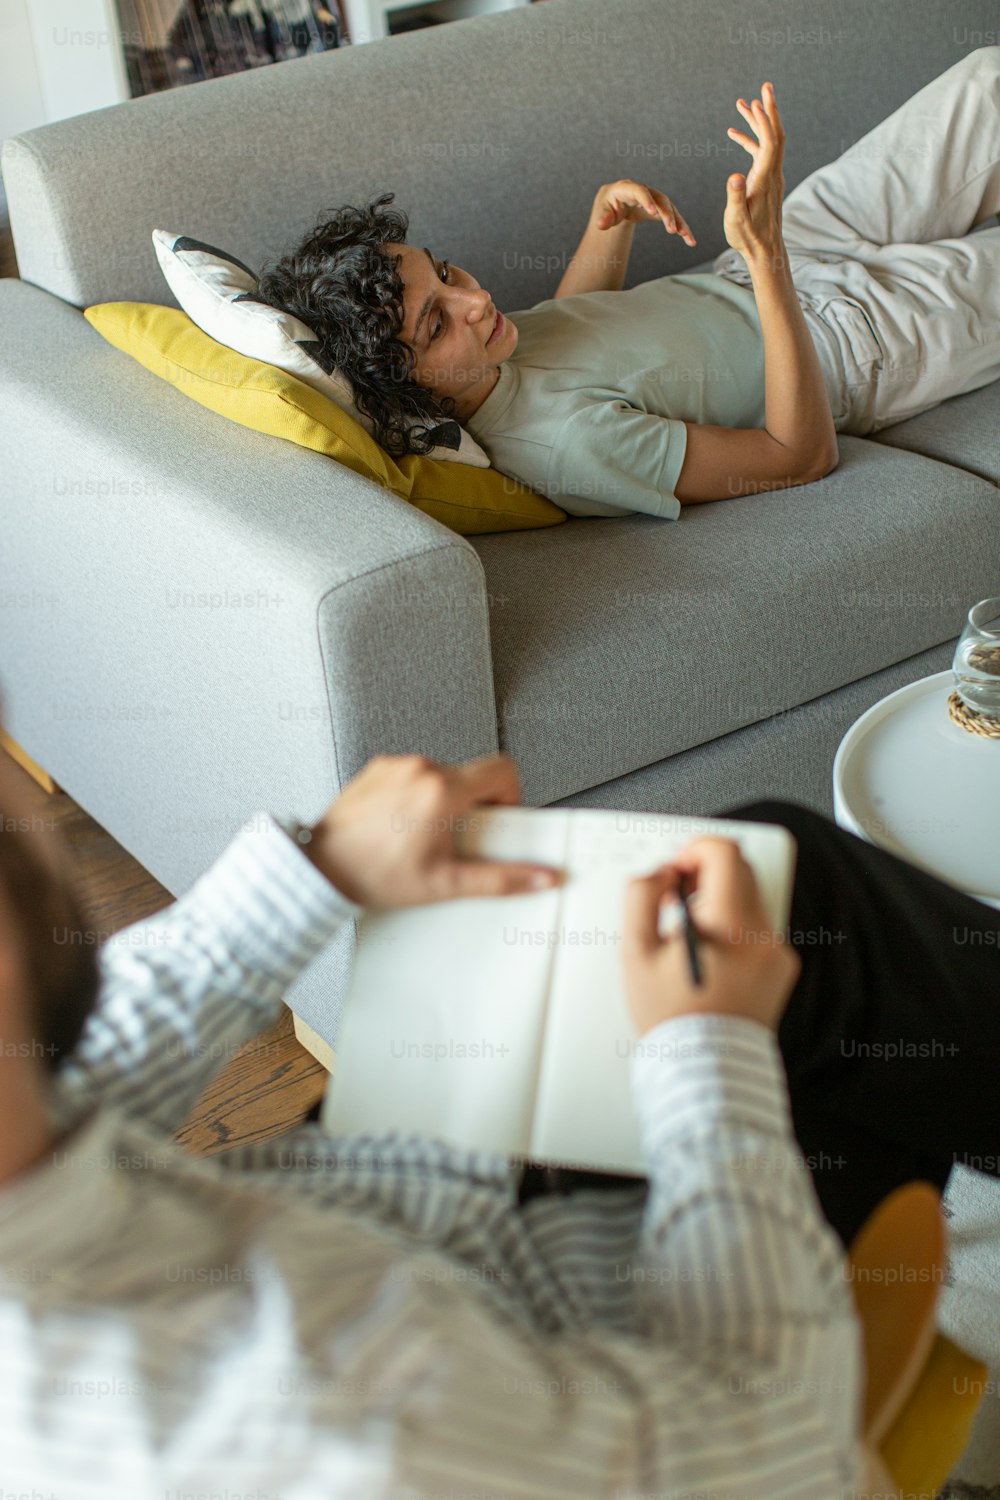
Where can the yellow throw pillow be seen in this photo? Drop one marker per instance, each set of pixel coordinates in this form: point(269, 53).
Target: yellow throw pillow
point(469, 500)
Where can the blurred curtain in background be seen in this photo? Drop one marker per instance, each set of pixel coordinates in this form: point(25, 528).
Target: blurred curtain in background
point(171, 42)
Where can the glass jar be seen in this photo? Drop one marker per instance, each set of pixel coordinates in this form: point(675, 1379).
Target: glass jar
point(977, 659)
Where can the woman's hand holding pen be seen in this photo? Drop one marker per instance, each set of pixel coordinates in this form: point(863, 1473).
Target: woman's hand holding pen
point(745, 968)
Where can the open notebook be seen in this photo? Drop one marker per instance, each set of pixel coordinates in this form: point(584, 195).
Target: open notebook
point(501, 1024)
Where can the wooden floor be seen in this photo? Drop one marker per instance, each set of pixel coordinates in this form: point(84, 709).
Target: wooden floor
point(272, 1082)
point(8, 260)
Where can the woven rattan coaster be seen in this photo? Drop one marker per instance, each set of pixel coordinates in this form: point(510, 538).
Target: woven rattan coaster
point(988, 725)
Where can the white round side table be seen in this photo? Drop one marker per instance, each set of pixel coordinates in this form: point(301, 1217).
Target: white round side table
point(906, 777)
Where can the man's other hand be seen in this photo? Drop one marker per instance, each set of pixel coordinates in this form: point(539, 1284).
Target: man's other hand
point(747, 968)
point(390, 838)
point(628, 202)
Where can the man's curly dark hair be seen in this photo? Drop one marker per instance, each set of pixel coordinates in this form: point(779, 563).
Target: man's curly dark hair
point(346, 287)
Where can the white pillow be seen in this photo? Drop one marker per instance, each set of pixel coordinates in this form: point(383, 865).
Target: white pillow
point(211, 285)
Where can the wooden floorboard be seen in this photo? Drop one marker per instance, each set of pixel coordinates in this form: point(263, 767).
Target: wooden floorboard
point(271, 1083)
point(8, 260)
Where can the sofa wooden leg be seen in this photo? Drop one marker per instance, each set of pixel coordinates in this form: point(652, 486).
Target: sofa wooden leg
point(314, 1043)
point(23, 759)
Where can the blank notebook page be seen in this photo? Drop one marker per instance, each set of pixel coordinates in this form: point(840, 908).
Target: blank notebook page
point(585, 1114)
point(443, 1023)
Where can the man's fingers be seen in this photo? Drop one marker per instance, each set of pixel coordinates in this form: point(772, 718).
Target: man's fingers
point(490, 779)
point(682, 227)
point(725, 884)
point(461, 879)
point(674, 221)
point(747, 114)
point(728, 904)
point(771, 106)
point(762, 124)
point(744, 140)
point(662, 206)
point(643, 899)
point(756, 117)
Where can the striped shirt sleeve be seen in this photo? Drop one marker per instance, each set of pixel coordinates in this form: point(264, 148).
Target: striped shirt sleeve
point(736, 1260)
point(746, 1382)
point(180, 993)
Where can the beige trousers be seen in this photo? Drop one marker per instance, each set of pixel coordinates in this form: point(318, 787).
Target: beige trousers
point(902, 302)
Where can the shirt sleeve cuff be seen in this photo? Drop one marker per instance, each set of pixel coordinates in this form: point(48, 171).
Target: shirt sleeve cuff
point(670, 470)
point(268, 903)
point(693, 1074)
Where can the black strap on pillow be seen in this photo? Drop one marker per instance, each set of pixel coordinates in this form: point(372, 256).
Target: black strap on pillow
point(185, 242)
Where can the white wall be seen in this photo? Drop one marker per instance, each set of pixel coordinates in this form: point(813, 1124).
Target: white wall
point(57, 58)
point(20, 89)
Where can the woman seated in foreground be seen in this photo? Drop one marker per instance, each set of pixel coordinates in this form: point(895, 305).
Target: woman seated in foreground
point(867, 302)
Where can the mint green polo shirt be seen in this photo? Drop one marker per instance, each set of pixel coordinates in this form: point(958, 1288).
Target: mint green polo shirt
point(591, 406)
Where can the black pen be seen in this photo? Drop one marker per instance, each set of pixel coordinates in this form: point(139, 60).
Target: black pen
point(690, 932)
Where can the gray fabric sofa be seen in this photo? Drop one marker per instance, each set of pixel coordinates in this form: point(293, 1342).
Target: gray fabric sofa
point(203, 621)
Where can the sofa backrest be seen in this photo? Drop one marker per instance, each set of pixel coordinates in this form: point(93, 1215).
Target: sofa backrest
point(493, 132)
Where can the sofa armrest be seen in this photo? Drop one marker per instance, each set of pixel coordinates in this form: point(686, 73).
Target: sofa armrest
point(201, 621)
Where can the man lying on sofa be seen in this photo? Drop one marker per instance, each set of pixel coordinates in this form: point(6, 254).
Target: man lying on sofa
point(867, 302)
point(391, 1317)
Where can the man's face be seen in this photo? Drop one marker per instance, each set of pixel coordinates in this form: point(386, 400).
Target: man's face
point(454, 328)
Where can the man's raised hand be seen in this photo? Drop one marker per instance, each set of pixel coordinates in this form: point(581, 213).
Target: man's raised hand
point(752, 219)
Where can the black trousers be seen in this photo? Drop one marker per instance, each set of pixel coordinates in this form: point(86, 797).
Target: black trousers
point(891, 1038)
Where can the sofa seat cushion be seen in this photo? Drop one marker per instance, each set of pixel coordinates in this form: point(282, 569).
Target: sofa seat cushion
point(618, 642)
point(964, 431)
